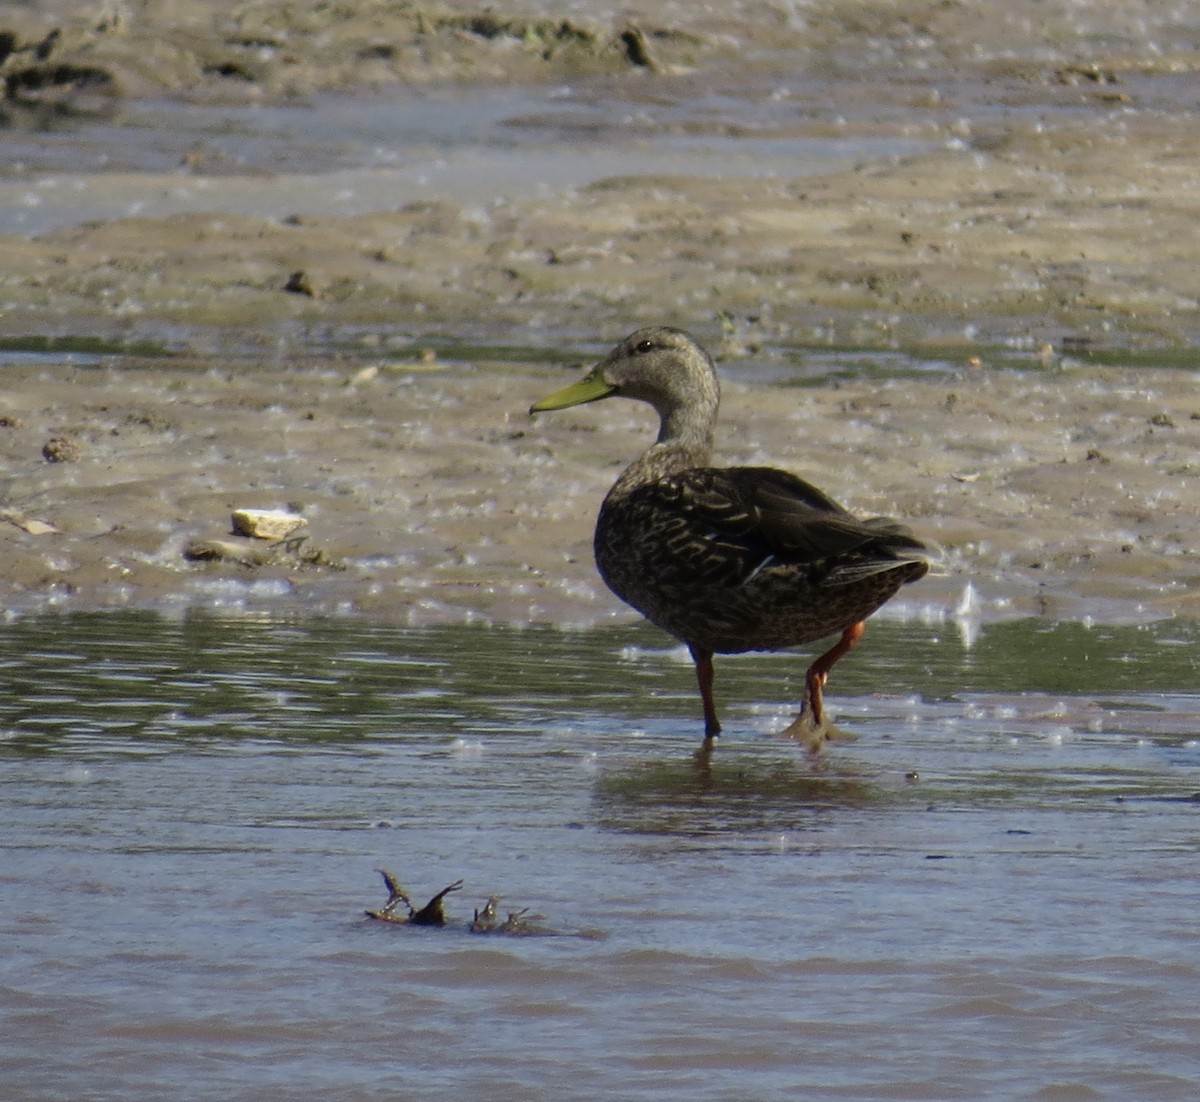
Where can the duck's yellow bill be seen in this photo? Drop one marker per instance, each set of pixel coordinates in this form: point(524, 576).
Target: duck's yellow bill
point(590, 388)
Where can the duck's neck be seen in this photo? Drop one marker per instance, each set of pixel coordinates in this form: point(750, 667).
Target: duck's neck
point(687, 426)
point(683, 442)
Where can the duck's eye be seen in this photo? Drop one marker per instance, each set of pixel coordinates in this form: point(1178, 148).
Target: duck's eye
point(643, 346)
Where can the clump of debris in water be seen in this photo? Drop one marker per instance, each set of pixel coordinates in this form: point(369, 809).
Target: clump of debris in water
point(486, 919)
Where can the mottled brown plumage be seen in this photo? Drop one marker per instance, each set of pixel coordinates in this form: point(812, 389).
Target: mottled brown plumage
point(731, 559)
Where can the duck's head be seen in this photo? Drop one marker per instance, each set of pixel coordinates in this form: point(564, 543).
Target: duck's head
point(659, 365)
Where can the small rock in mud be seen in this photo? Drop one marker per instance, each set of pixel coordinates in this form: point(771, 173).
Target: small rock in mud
point(242, 552)
point(62, 449)
point(637, 49)
point(266, 524)
point(298, 283)
point(293, 552)
point(28, 525)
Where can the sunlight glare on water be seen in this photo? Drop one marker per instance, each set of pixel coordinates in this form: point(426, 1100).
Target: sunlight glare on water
point(989, 895)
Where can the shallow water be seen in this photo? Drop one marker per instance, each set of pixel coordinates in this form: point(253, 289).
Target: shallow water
point(349, 155)
point(989, 895)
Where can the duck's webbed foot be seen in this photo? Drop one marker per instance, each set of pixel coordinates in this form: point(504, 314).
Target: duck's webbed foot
point(813, 733)
point(812, 727)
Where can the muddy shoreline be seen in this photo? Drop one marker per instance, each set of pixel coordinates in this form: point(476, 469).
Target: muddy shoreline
point(431, 495)
point(1048, 191)
point(1042, 211)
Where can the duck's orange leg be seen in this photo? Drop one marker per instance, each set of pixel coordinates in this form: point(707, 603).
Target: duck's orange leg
point(704, 678)
point(818, 672)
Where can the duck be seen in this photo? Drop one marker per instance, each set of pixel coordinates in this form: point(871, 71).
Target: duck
point(732, 559)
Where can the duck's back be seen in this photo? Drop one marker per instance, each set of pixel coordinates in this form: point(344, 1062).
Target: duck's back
point(748, 558)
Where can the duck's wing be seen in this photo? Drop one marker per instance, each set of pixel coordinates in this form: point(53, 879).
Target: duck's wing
point(762, 515)
point(797, 517)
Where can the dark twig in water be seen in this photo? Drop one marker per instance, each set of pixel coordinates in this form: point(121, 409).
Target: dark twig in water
point(485, 920)
point(432, 914)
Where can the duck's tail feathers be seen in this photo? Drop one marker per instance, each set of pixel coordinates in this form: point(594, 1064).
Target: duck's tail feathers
point(895, 550)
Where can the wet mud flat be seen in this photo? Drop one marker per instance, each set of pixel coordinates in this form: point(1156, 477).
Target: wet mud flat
point(429, 493)
point(334, 329)
point(1045, 189)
